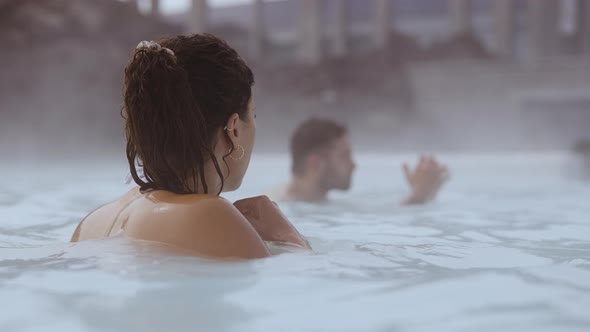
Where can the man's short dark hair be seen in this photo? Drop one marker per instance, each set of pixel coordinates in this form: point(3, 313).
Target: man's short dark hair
point(312, 136)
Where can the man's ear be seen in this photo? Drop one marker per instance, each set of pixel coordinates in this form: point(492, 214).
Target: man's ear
point(314, 163)
point(231, 126)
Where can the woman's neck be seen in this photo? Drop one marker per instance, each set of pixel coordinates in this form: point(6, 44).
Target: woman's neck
point(211, 177)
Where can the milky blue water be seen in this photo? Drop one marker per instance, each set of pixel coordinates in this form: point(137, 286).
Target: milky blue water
point(506, 247)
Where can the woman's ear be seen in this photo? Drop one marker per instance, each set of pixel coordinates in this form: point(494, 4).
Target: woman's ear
point(231, 127)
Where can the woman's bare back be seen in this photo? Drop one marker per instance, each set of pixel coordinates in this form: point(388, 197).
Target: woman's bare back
point(206, 225)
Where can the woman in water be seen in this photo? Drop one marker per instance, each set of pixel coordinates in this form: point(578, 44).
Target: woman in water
point(190, 121)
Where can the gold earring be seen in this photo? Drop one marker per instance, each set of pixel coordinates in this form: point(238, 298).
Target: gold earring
point(242, 152)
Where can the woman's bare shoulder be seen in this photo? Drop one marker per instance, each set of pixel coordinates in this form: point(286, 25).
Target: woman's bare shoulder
point(205, 224)
point(95, 223)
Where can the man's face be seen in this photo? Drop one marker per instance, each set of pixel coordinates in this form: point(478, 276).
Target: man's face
point(337, 165)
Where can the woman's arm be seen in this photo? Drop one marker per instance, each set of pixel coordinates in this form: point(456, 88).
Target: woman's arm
point(270, 223)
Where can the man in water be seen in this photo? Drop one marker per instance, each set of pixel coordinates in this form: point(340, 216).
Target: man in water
point(322, 161)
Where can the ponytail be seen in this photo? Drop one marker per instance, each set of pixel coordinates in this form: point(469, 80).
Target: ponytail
point(165, 127)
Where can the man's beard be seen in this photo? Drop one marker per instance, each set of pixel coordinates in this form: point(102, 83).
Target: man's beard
point(332, 182)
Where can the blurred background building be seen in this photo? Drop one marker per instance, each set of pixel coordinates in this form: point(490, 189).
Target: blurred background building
point(405, 75)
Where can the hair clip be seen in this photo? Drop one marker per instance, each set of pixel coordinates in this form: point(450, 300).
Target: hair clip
point(153, 46)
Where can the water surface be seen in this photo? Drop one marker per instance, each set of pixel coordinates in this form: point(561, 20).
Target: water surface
point(506, 247)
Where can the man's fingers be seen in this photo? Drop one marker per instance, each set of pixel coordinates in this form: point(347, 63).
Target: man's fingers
point(422, 164)
point(435, 162)
point(406, 170)
point(432, 163)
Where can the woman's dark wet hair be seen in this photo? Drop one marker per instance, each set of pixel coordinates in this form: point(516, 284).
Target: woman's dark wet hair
point(174, 104)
